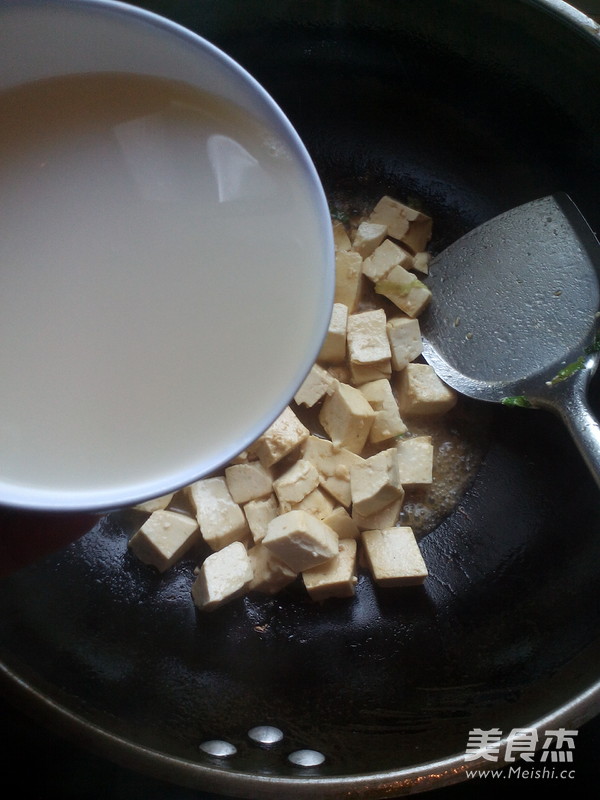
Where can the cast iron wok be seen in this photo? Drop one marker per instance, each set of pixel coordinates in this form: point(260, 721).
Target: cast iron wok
point(472, 107)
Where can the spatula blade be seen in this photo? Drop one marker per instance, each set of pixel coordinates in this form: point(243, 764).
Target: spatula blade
point(514, 300)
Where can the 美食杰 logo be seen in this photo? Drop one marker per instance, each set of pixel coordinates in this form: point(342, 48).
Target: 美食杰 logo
point(528, 752)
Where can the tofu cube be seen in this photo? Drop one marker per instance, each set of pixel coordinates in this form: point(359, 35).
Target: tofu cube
point(405, 290)
point(394, 215)
point(164, 538)
point(258, 515)
point(367, 338)
point(388, 422)
point(342, 523)
point(418, 234)
point(249, 481)
point(365, 373)
point(375, 483)
point(295, 483)
point(420, 262)
point(221, 519)
point(404, 336)
point(348, 278)
point(384, 258)
point(333, 465)
point(283, 436)
point(301, 540)
point(316, 385)
point(347, 417)
point(223, 576)
point(415, 461)
point(341, 240)
point(333, 350)
point(335, 578)
point(411, 227)
point(420, 392)
point(270, 574)
point(393, 557)
point(317, 503)
point(386, 518)
point(156, 503)
point(368, 236)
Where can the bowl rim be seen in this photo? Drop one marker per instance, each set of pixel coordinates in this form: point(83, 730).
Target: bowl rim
point(102, 500)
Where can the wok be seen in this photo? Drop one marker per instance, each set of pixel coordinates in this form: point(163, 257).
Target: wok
point(473, 107)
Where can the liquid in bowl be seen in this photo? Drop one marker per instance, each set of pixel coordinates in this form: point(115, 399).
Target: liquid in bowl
point(142, 222)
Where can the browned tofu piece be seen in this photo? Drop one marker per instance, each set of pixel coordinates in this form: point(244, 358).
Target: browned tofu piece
point(283, 436)
point(347, 417)
point(164, 538)
point(334, 578)
point(421, 393)
point(301, 540)
point(394, 557)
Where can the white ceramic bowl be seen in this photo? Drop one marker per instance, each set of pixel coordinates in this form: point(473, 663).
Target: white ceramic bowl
point(211, 411)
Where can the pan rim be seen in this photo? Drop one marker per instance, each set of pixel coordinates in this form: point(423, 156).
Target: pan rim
point(423, 777)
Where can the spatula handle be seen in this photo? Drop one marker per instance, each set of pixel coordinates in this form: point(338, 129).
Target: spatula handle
point(571, 403)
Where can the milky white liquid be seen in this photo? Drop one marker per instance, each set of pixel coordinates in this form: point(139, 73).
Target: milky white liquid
point(158, 266)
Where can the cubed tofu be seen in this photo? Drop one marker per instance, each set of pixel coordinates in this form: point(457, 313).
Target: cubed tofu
point(418, 234)
point(420, 392)
point(406, 343)
point(348, 278)
point(388, 422)
point(347, 417)
point(316, 385)
point(316, 503)
point(405, 290)
point(386, 518)
point(295, 483)
point(420, 262)
point(340, 372)
point(368, 236)
point(411, 227)
point(341, 240)
point(301, 540)
point(249, 481)
point(415, 461)
point(394, 215)
point(259, 513)
point(221, 519)
point(375, 483)
point(333, 465)
point(164, 538)
point(367, 338)
point(156, 503)
point(365, 373)
point(283, 436)
point(342, 523)
point(393, 557)
point(333, 350)
point(335, 578)
point(270, 574)
point(384, 258)
point(222, 577)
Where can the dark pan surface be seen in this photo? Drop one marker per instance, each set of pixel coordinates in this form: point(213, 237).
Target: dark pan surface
point(473, 108)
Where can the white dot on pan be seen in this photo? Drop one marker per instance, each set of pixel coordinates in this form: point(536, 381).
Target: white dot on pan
point(218, 748)
point(306, 758)
point(265, 734)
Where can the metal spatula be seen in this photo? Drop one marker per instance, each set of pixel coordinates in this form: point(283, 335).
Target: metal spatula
point(514, 314)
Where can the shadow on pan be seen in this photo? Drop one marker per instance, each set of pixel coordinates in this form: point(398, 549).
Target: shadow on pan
point(470, 108)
